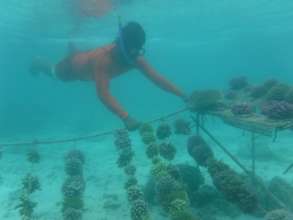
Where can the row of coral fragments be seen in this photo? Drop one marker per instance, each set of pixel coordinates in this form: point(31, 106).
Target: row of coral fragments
point(180, 189)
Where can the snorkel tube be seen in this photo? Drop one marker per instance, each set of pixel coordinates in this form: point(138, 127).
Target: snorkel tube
point(121, 44)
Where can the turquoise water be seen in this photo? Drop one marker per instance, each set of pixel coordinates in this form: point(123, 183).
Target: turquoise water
point(196, 44)
point(193, 43)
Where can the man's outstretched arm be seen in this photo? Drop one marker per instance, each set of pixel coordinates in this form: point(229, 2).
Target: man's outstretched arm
point(102, 88)
point(155, 77)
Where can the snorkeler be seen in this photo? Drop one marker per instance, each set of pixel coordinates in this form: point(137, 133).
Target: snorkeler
point(101, 65)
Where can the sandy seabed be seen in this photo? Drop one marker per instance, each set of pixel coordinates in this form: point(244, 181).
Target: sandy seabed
point(105, 198)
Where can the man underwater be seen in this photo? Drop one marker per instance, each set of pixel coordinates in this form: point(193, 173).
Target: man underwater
point(103, 64)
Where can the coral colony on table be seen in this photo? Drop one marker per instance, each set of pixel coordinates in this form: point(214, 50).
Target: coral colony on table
point(181, 191)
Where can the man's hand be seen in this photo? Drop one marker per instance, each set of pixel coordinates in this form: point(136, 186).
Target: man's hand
point(186, 100)
point(131, 124)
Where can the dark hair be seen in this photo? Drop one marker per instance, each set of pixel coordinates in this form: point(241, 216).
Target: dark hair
point(133, 36)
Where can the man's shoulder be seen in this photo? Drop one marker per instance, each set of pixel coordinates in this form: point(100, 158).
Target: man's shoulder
point(104, 49)
point(101, 56)
point(141, 62)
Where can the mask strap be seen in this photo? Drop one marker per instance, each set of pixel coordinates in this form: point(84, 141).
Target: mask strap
point(121, 44)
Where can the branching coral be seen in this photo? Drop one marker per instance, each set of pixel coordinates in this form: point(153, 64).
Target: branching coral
point(182, 127)
point(148, 138)
point(75, 202)
point(73, 186)
point(174, 172)
point(125, 157)
point(258, 92)
point(123, 144)
point(262, 90)
point(156, 160)
point(231, 95)
point(277, 92)
point(139, 210)
point(131, 181)
point(165, 185)
point(26, 207)
point(289, 96)
point(226, 180)
point(205, 195)
point(270, 83)
point(73, 166)
point(146, 128)
point(242, 109)
point(168, 185)
point(238, 83)
point(168, 189)
point(75, 154)
point(164, 131)
point(33, 156)
point(152, 150)
point(147, 134)
point(279, 214)
point(179, 210)
point(184, 215)
point(122, 140)
point(72, 214)
point(167, 151)
point(134, 193)
point(199, 150)
point(130, 170)
point(278, 110)
point(177, 206)
point(31, 183)
point(205, 101)
point(74, 161)
point(191, 177)
point(233, 187)
point(159, 169)
point(184, 174)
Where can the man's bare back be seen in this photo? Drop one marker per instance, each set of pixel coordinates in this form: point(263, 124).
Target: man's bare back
point(85, 65)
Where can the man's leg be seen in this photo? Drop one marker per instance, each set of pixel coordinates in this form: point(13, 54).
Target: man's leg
point(60, 70)
point(42, 66)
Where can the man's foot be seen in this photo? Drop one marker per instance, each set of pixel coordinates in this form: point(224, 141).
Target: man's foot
point(71, 48)
point(39, 66)
point(131, 124)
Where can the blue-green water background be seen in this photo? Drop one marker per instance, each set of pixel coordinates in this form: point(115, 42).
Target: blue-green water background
point(194, 43)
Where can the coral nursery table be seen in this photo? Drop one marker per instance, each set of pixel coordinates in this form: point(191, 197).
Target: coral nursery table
point(254, 123)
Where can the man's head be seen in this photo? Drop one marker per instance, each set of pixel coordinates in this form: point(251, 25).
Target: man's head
point(132, 37)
